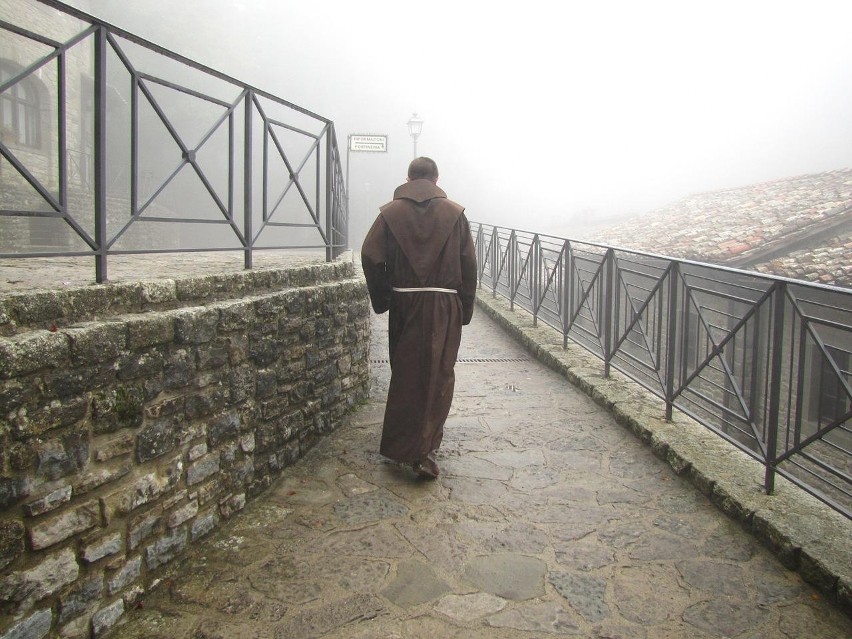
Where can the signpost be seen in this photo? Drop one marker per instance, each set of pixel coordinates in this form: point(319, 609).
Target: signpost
point(364, 143)
point(369, 143)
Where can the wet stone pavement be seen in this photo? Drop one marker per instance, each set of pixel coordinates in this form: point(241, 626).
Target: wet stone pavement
point(549, 519)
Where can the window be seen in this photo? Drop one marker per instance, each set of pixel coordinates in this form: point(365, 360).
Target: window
point(20, 117)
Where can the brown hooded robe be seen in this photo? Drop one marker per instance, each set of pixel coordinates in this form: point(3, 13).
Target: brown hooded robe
point(420, 239)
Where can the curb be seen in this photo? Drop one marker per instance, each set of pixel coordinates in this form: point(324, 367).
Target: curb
point(806, 535)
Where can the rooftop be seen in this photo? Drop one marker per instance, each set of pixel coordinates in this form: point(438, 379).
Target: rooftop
point(798, 227)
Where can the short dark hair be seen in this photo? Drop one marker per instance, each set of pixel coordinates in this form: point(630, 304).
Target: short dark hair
point(423, 168)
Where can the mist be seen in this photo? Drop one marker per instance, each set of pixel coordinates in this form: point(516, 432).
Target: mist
point(545, 118)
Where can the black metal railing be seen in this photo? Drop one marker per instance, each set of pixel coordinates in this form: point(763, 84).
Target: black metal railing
point(113, 145)
point(762, 361)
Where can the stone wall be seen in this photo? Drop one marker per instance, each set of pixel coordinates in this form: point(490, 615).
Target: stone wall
point(136, 418)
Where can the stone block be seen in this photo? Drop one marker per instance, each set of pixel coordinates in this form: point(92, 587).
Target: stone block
point(34, 421)
point(150, 329)
point(231, 505)
point(209, 491)
point(196, 325)
point(105, 618)
point(142, 491)
point(178, 369)
point(65, 525)
point(115, 447)
point(36, 626)
point(238, 349)
point(194, 288)
point(49, 502)
point(203, 526)
point(155, 292)
point(174, 499)
point(223, 427)
point(24, 588)
point(241, 381)
point(65, 383)
point(126, 575)
point(13, 489)
point(266, 383)
point(141, 364)
point(60, 457)
point(97, 342)
point(166, 407)
point(166, 548)
point(247, 443)
point(236, 316)
point(33, 351)
point(263, 351)
point(14, 394)
point(156, 438)
point(142, 527)
point(214, 355)
point(205, 403)
point(100, 477)
point(11, 542)
point(105, 546)
point(83, 597)
point(182, 514)
point(202, 469)
point(197, 451)
point(116, 408)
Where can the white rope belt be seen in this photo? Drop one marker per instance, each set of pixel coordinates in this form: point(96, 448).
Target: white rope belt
point(425, 288)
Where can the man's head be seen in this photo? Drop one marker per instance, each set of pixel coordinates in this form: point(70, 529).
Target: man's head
point(423, 169)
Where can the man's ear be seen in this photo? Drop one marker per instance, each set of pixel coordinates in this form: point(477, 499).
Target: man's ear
point(407, 179)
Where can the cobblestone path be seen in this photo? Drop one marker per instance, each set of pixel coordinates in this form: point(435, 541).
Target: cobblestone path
point(549, 519)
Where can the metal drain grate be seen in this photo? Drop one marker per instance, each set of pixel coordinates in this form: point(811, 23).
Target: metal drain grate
point(472, 360)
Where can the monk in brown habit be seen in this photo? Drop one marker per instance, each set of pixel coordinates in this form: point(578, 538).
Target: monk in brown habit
point(420, 264)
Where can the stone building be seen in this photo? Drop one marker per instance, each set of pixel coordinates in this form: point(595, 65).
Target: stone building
point(798, 227)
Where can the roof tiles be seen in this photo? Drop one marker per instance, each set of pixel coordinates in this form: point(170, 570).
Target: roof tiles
point(798, 227)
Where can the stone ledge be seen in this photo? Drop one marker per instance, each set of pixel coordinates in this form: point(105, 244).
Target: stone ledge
point(51, 309)
point(806, 535)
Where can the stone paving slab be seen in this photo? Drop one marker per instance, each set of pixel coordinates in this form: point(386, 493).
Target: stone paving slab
point(549, 519)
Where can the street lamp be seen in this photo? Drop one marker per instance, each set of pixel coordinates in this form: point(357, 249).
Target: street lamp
point(415, 126)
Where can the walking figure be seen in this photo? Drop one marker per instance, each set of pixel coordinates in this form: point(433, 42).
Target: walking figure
point(420, 265)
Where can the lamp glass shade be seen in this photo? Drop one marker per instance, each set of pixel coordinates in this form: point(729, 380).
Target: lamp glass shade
point(415, 126)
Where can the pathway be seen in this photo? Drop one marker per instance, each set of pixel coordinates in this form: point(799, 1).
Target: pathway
point(549, 519)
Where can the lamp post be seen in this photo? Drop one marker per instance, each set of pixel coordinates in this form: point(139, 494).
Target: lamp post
point(415, 126)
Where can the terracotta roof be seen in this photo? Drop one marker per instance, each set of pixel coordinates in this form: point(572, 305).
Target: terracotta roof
point(799, 227)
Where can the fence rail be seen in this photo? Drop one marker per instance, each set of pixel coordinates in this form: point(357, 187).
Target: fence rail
point(764, 362)
point(113, 145)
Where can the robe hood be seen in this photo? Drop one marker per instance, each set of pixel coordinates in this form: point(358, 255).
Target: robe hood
point(419, 191)
point(420, 215)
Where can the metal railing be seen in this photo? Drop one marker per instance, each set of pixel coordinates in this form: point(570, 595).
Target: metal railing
point(145, 151)
point(762, 361)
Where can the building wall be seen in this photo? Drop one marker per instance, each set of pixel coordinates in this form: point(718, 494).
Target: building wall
point(137, 418)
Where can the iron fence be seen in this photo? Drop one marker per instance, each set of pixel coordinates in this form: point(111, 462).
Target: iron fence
point(113, 145)
point(762, 361)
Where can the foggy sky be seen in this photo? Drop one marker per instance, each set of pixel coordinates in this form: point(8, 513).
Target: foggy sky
point(543, 115)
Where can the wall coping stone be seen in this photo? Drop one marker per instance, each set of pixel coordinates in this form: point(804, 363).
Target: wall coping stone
point(50, 309)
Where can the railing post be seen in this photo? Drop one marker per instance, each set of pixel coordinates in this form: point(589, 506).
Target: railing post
point(535, 264)
point(775, 387)
point(329, 217)
point(247, 183)
point(608, 284)
point(671, 338)
point(513, 267)
point(494, 260)
point(567, 291)
point(479, 256)
point(100, 83)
